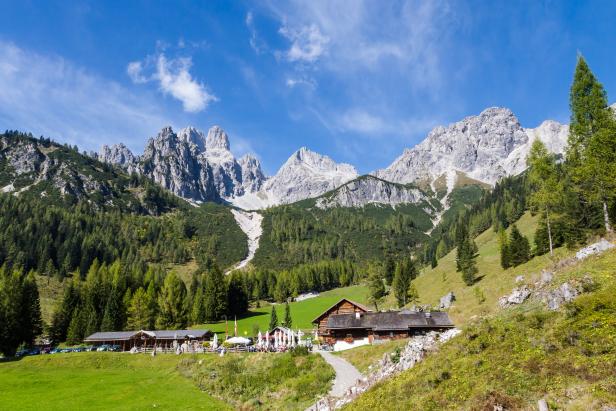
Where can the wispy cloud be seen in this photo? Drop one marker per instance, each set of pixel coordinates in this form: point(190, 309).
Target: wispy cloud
point(51, 96)
point(173, 78)
point(257, 44)
point(307, 43)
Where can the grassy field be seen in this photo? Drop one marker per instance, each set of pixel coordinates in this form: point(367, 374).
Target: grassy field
point(99, 381)
point(261, 381)
point(302, 312)
point(367, 355)
point(50, 292)
point(519, 355)
point(481, 298)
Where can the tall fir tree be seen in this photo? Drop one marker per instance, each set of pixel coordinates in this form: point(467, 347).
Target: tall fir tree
point(546, 185)
point(375, 286)
point(215, 294)
point(288, 321)
point(404, 274)
point(273, 318)
point(172, 304)
point(138, 311)
point(503, 246)
point(519, 247)
point(591, 151)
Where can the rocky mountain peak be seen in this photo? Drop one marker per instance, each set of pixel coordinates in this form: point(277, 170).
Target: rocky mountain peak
point(216, 139)
point(116, 154)
point(193, 136)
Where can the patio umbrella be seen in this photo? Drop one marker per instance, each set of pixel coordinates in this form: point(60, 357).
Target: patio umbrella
point(276, 339)
point(267, 339)
point(238, 340)
point(215, 342)
point(259, 339)
point(292, 338)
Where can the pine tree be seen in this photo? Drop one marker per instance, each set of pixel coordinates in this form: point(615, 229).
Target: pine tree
point(519, 247)
point(503, 245)
point(591, 152)
point(288, 322)
point(172, 305)
point(273, 318)
point(405, 273)
point(215, 294)
point(390, 268)
point(376, 286)
point(546, 185)
point(468, 265)
point(138, 311)
point(31, 322)
point(237, 298)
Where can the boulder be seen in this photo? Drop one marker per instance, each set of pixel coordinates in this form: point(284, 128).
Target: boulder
point(592, 249)
point(546, 276)
point(519, 279)
point(447, 300)
point(517, 296)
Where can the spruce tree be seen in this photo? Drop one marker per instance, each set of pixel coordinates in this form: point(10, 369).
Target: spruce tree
point(546, 185)
point(404, 274)
point(591, 152)
point(503, 246)
point(273, 318)
point(138, 311)
point(172, 304)
point(519, 247)
point(376, 286)
point(215, 294)
point(31, 322)
point(390, 268)
point(288, 322)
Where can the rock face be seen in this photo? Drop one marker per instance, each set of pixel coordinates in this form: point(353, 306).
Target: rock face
point(484, 147)
point(371, 190)
point(191, 164)
point(305, 174)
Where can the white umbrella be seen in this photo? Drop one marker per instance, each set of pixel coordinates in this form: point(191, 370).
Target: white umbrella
point(238, 340)
point(267, 336)
point(292, 339)
point(259, 342)
point(276, 343)
point(215, 342)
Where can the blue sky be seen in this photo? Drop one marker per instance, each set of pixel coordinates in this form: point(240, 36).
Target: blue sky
point(356, 80)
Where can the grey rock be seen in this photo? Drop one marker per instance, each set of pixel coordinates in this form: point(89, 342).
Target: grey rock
point(519, 279)
point(517, 296)
point(546, 277)
point(371, 190)
point(486, 148)
point(595, 248)
point(447, 300)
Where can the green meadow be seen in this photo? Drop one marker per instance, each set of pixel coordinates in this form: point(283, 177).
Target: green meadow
point(99, 381)
point(302, 312)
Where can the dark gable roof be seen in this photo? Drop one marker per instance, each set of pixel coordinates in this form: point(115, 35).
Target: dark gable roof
point(361, 306)
point(159, 334)
point(389, 321)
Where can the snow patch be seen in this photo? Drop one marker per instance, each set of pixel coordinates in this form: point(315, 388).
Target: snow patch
point(8, 189)
point(250, 223)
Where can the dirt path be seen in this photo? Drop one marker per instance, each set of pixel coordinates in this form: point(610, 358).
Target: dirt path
point(346, 374)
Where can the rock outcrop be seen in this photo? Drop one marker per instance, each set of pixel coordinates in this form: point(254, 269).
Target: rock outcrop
point(371, 190)
point(484, 147)
point(446, 301)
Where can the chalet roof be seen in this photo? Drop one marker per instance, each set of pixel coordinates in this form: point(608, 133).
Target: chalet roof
point(389, 321)
point(158, 334)
point(358, 305)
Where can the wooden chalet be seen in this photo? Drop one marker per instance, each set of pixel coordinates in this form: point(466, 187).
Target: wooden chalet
point(143, 339)
point(344, 306)
point(348, 324)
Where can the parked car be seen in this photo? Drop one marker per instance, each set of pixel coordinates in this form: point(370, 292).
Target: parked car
point(21, 353)
point(115, 348)
point(89, 348)
point(34, 351)
point(55, 350)
point(66, 350)
point(103, 347)
point(46, 350)
point(79, 349)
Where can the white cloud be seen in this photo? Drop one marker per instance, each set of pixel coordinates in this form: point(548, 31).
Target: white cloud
point(173, 78)
point(255, 41)
point(307, 43)
point(301, 81)
point(48, 95)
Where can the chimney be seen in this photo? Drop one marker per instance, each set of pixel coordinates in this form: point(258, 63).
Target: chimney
point(357, 315)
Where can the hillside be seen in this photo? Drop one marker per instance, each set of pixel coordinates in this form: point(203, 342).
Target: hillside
point(565, 356)
point(59, 175)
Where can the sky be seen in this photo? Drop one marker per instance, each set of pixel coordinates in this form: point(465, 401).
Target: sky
point(359, 81)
